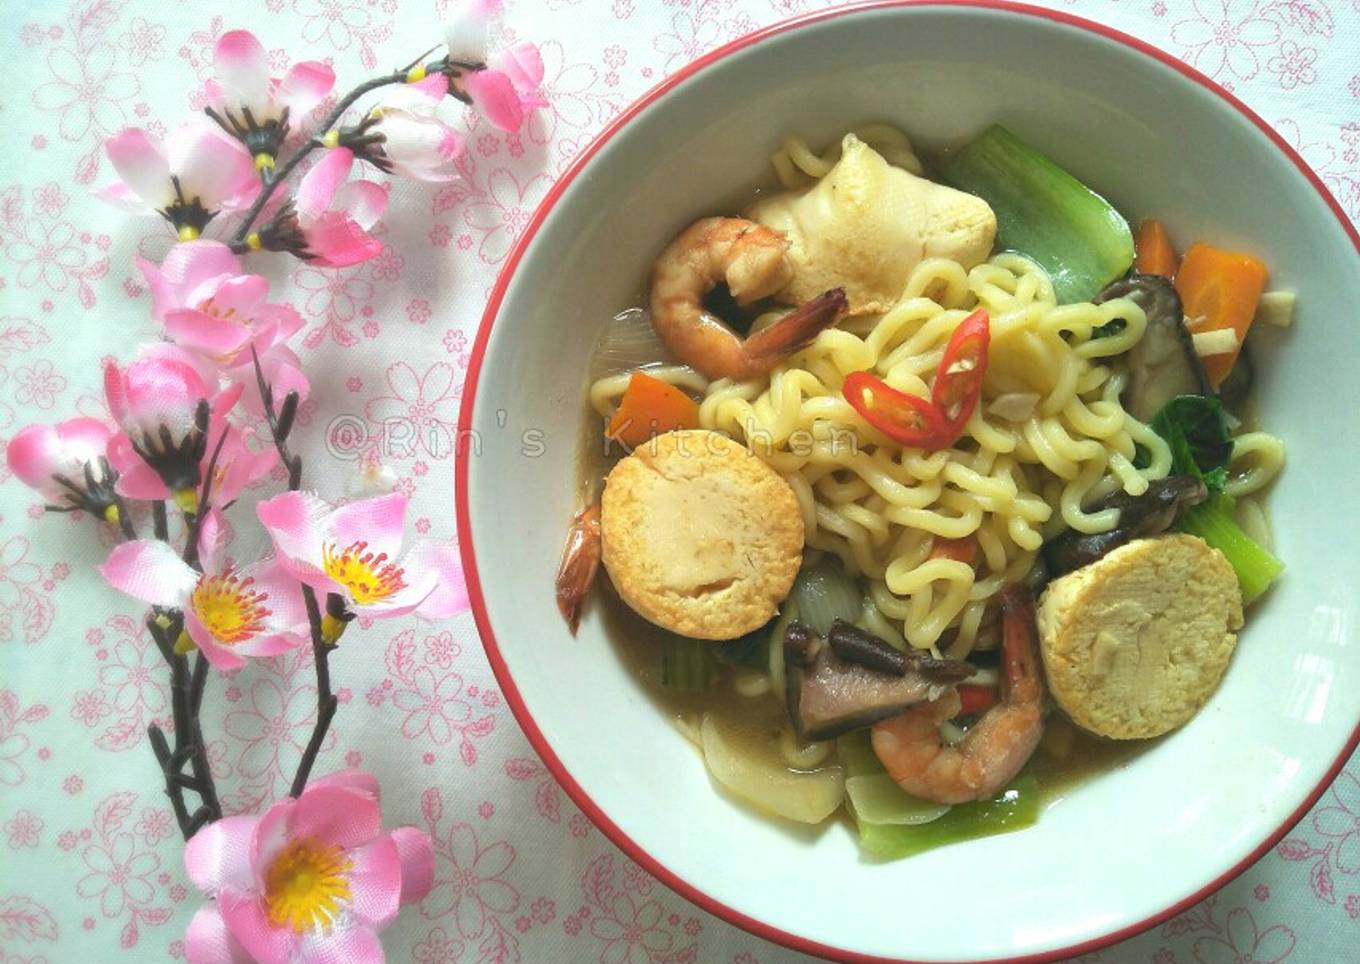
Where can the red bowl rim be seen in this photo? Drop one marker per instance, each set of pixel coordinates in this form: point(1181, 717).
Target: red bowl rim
point(526, 721)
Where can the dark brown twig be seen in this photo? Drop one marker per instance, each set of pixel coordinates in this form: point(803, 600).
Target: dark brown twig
point(186, 695)
point(325, 700)
point(280, 424)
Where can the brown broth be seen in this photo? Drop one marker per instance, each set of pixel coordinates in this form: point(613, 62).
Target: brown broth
point(1066, 758)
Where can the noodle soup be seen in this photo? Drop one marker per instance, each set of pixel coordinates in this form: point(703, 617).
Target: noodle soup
point(921, 501)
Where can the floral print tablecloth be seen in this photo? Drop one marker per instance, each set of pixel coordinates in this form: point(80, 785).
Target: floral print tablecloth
point(90, 865)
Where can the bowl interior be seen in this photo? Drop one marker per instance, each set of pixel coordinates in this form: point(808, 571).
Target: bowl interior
point(1124, 847)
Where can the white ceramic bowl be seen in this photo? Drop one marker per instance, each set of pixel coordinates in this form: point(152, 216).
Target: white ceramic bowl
point(1128, 848)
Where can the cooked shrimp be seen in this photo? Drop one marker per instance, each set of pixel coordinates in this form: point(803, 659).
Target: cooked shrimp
point(994, 748)
point(580, 562)
point(751, 259)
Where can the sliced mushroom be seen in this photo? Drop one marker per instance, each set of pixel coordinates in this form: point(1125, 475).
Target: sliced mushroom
point(828, 695)
point(854, 645)
point(1163, 364)
point(1140, 516)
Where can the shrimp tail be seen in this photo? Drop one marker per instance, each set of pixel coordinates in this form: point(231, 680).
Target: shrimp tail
point(1022, 679)
point(580, 563)
point(797, 328)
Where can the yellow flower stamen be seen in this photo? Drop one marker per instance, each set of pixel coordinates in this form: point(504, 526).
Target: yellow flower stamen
point(332, 629)
point(229, 606)
point(331, 138)
point(368, 577)
point(416, 74)
point(111, 514)
point(184, 644)
point(264, 161)
point(253, 241)
point(187, 500)
point(305, 885)
point(187, 232)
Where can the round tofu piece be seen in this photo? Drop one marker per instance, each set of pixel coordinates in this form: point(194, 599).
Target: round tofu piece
point(1134, 644)
point(700, 536)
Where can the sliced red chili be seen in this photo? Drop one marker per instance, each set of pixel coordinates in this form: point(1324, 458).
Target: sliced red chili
point(937, 422)
point(958, 381)
point(906, 419)
point(976, 700)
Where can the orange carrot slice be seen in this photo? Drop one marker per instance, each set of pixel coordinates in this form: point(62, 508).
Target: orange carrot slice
point(1155, 253)
point(1220, 291)
point(651, 407)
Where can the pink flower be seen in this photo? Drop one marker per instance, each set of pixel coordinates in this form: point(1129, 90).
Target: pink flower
point(432, 705)
point(65, 463)
point(168, 408)
point(90, 707)
point(118, 875)
point(1294, 65)
point(236, 467)
point(416, 143)
point(354, 553)
point(438, 948)
point(256, 106)
point(154, 826)
point(210, 308)
point(1341, 822)
point(1223, 36)
point(329, 222)
point(1242, 941)
point(23, 830)
point(311, 880)
point(504, 94)
point(506, 88)
point(465, 29)
point(631, 932)
point(85, 90)
point(187, 180)
point(474, 889)
point(229, 611)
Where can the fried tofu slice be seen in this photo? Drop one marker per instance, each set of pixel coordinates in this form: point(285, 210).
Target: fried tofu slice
point(699, 536)
point(1135, 643)
point(867, 224)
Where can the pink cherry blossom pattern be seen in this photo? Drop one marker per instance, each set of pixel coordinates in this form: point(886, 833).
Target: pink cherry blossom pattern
point(1243, 941)
point(133, 677)
point(23, 830)
point(469, 888)
point(143, 41)
point(1294, 65)
point(1224, 37)
point(421, 412)
point(119, 872)
point(1339, 820)
point(87, 91)
point(26, 609)
point(431, 695)
point(503, 214)
point(438, 947)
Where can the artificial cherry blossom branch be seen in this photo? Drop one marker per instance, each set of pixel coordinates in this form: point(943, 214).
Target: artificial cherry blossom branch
point(226, 343)
point(187, 688)
point(280, 425)
point(273, 177)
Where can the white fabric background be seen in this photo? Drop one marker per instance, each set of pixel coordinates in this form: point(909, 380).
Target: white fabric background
point(89, 863)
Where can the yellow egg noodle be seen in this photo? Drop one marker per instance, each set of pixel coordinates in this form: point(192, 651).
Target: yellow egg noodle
point(797, 165)
point(1048, 437)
